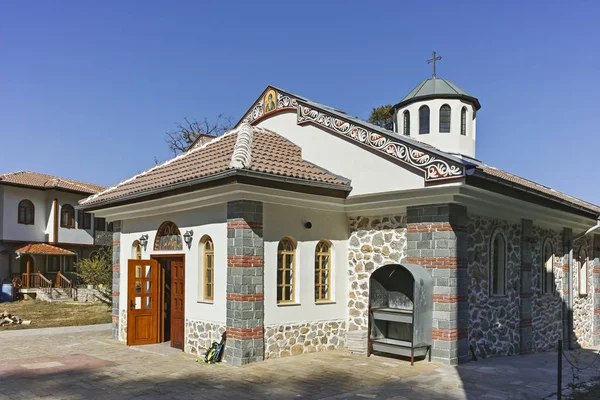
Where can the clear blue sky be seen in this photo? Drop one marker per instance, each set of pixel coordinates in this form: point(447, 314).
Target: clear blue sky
point(88, 89)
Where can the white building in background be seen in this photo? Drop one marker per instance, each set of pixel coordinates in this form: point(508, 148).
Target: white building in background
point(274, 232)
point(40, 228)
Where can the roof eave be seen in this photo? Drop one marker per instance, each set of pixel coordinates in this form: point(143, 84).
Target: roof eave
point(48, 188)
point(215, 178)
point(470, 99)
point(591, 213)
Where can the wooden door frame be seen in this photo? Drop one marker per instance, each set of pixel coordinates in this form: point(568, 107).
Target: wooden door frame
point(161, 319)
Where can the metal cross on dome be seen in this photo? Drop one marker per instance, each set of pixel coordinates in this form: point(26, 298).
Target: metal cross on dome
point(433, 60)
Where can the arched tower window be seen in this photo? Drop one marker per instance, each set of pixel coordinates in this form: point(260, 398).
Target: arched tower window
point(136, 250)
point(208, 269)
point(168, 237)
point(286, 265)
point(445, 111)
point(26, 212)
point(423, 120)
point(406, 123)
point(463, 121)
point(67, 216)
point(498, 264)
point(547, 273)
point(323, 271)
point(582, 260)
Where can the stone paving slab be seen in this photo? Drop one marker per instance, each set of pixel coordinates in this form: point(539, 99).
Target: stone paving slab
point(92, 365)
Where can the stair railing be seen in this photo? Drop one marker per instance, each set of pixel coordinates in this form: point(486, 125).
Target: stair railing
point(65, 284)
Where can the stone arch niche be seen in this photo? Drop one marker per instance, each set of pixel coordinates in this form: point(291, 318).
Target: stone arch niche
point(168, 237)
point(401, 310)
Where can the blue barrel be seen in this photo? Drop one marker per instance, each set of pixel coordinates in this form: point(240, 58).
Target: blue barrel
point(7, 292)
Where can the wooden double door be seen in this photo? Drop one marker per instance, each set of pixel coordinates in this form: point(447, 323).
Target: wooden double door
point(156, 301)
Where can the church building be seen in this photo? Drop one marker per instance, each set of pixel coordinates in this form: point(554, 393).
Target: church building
point(273, 232)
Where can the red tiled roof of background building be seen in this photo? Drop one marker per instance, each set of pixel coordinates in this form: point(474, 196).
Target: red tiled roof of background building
point(43, 248)
point(270, 153)
point(43, 181)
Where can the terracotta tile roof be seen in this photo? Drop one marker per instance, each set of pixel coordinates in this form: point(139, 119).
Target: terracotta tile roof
point(43, 181)
point(498, 173)
point(270, 153)
point(43, 248)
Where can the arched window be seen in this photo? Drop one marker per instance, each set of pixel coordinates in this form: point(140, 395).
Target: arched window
point(323, 271)
point(168, 237)
point(582, 260)
point(136, 250)
point(497, 264)
point(547, 273)
point(423, 120)
point(208, 266)
point(463, 121)
point(406, 125)
point(26, 212)
point(286, 263)
point(445, 118)
point(67, 216)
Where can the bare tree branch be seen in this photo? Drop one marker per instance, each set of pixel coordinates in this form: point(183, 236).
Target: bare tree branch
point(186, 132)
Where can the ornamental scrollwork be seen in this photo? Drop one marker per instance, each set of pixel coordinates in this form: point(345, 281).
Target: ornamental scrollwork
point(263, 106)
point(433, 167)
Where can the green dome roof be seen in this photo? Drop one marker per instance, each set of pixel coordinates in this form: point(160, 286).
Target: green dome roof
point(433, 88)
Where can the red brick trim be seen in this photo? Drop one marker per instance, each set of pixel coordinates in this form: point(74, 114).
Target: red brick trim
point(525, 323)
point(525, 268)
point(439, 227)
point(596, 332)
point(442, 298)
point(244, 225)
point(526, 295)
point(438, 262)
point(565, 292)
point(116, 293)
point(597, 290)
point(245, 261)
point(116, 267)
point(116, 243)
point(565, 267)
point(115, 318)
point(597, 311)
point(596, 270)
point(245, 333)
point(449, 334)
point(245, 297)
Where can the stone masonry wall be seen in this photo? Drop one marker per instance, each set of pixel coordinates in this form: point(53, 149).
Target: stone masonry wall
point(547, 320)
point(116, 281)
point(199, 335)
point(493, 320)
point(596, 291)
point(437, 240)
point(583, 305)
point(374, 242)
point(294, 339)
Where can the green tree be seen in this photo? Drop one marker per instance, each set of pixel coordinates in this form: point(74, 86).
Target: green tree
point(97, 269)
point(185, 133)
point(382, 117)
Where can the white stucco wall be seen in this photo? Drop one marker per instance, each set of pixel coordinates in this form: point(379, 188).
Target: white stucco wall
point(281, 221)
point(452, 142)
point(11, 229)
point(71, 235)
point(210, 221)
point(369, 172)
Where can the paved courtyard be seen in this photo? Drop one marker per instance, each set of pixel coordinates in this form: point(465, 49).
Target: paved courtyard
point(85, 363)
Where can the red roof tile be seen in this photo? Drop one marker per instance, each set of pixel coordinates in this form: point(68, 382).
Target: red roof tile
point(498, 173)
point(43, 248)
point(271, 154)
point(43, 181)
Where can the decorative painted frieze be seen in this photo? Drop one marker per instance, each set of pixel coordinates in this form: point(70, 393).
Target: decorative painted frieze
point(271, 101)
point(433, 167)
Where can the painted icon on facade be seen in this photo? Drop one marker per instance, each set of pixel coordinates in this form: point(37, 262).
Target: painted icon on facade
point(270, 100)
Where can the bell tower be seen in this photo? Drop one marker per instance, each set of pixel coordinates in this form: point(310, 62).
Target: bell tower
point(439, 113)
